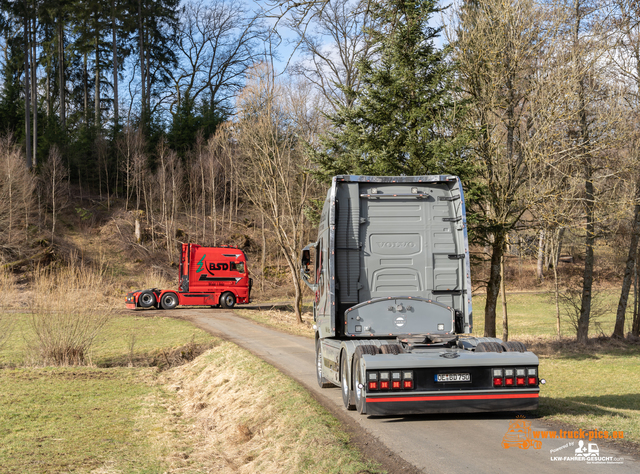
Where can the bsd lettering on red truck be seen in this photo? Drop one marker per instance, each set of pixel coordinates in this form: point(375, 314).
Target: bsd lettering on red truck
point(209, 276)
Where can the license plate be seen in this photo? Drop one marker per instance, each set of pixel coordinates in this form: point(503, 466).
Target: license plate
point(453, 377)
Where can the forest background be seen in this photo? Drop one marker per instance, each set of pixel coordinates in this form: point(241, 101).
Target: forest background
point(150, 123)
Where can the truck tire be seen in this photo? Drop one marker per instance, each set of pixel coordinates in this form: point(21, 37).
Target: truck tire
point(322, 382)
point(369, 349)
point(514, 346)
point(146, 299)
point(394, 349)
point(359, 384)
point(169, 301)
point(347, 393)
point(489, 347)
point(227, 300)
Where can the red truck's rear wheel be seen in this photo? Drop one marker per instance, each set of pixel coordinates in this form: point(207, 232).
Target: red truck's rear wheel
point(169, 301)
point(228, 300)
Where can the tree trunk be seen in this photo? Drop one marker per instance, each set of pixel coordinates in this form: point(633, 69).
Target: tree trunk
point(618, 331)
point(540, 267)
point(97, 86)
point(264, 255)
point(34, 88)
point(493, 287)
point(27, 93)
point(505, 320)
point(142, 63)
point(85, 84)
point(63, 99)
point(115, 67)
point(635, 327)
point(587, 280)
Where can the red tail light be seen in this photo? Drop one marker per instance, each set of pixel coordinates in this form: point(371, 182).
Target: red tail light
point(408, 384)
point(533, 381)
point(508, 382)
point(384, 385)
point(395, 384)
point(373, 385)
point(519, 380)
point(497, 381)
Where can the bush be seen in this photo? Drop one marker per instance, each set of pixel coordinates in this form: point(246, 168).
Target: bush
point(68, 308)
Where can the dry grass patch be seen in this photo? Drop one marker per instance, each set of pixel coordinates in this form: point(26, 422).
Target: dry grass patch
point(284, 321)
point(68, 307)
point(7, 288)
point(245, 416)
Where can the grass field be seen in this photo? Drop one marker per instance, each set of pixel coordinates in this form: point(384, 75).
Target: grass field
point(224, 411)
point(534, 314)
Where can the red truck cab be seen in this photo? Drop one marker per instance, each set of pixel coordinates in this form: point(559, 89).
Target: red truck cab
point(209, 276)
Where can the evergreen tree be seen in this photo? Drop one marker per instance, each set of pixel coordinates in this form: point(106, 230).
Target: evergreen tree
point(403, 118)
point(11, 100)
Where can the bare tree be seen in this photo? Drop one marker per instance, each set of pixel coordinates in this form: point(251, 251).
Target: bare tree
point(55, 184)
point(218, 41)
point(16, 195)
point(168, 189)
point(626, 57)
point(500, 47)
point(331, 46)
point(272, 162)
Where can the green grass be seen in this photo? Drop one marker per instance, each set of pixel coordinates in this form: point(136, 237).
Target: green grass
point(593, 390)
point(80, 419)
point(590, 387)
point(534, 314)
point(112, 345)
point(134, 420)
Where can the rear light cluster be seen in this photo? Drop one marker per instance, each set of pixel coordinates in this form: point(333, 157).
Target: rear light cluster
point(515, 377)
point(390, 380)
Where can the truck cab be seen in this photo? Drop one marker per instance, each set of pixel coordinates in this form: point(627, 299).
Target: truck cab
point(392, 308)
point(208, 276)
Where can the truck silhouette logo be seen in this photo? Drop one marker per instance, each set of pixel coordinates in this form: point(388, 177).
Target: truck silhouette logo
point(519, 434)
point(587, 452)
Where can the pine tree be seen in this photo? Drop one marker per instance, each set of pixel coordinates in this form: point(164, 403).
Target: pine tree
point(404, 115)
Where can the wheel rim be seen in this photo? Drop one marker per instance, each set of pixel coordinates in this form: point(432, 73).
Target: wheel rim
point(345, 383)
point(229, 300)
point(146, 298)
point(169, 300)
point(319, 364)
point(357, 388)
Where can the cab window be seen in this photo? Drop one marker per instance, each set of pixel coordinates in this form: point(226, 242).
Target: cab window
point(237, 266)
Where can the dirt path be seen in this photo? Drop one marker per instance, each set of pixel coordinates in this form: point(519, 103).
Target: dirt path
point(430, 443)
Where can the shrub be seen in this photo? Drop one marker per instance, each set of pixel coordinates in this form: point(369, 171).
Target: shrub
point(68, 308)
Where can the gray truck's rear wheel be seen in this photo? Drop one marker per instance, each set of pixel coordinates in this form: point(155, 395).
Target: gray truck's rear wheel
point(146, 299)
point(489, 347)
point(347, 393)
point(515, 346)
point(369, 349)
point(359, 385)
point(319, 365)
point(391, 349)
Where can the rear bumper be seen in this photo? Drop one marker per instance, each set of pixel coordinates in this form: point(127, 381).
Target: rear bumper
point(443, 402)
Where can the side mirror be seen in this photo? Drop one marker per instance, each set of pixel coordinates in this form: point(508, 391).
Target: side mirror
point(305, 271)
point(306, 259)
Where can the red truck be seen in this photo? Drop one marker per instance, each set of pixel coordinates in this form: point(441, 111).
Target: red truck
point(209, 276)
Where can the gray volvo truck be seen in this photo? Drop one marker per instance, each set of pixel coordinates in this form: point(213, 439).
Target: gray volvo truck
point(392, 308)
